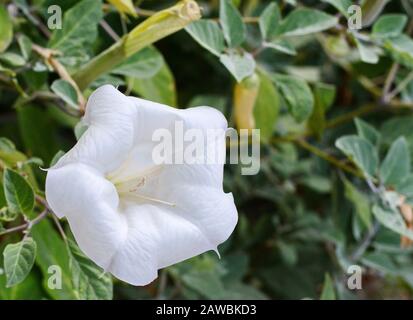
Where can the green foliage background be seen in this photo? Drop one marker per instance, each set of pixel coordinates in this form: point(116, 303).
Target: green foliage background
point(334, 106)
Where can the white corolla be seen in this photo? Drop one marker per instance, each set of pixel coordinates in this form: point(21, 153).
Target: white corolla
point(130, 215)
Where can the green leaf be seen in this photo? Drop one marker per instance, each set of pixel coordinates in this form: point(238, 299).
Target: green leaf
point(367, 131)
point(143, 65)
point(6, 27)
point(29, 289)
point(361, 152)
point(12, 59)
point(380, 261)
point(38, 131)
point(392, 220)
point(324, 95)
point(360, 202)
point(25, 45)
point(396, 164)
point(267, 107)
point(66, 92)
point(160, 88)
point(405, 187)
point(306, 21)
point(269, 21)
point(79, 29)
point(52, 251)
point(281, 45)
point(371, 9)
point(328, 292)
point(208, 34)
point(232, 24)
point(239, 65)
point(389, 25)
point(18, 260)
point(340, 5)
point(89, 281)
point(18, 192)
point(368, 53)
point(401, 49)
point(297, 94)
point(9, 154)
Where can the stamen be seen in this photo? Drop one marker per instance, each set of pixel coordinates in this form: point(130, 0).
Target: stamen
point(153, 199)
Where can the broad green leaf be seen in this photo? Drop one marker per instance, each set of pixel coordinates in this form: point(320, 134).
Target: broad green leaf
point(360, 202)
point(380, 261)
point(281, 45)
point(392, 220)
point(38, 131)
point(18, 192)
point(12, 59)
point(79, 29)
point(324, 95)
point(269, 21)
point(232, 24)
point(401, 49)
point(371, 9)
point(207, 283)
point(340, 5)
point(29, 289)
point(267, 107)
point(328, 292)
point(143, 65)
point(239, 65)
point(317, 183)
point(405, 187)
point(361, 152)
point(66, 92)
point(25, 45)
point(124, 6)
point(367, 131)
point(52, 252)
point(18, 260)
point(240, 291)
point(306, 21)
point(297, 94)
point(160, 88)
point(368, 53)
point(208, 34)
point(9, 154)
point(396, 164)
point(389, 25)
point(89, 281)
point(6, 27)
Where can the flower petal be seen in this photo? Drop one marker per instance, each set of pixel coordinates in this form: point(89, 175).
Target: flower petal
point(90, 204)
point(111, 119)
point(154, 116)
point(159, 236)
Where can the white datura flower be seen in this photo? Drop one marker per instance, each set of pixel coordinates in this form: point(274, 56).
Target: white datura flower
point(128, 214)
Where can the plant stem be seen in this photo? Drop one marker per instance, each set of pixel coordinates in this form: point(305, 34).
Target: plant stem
point(365, 242)
point(47, 55)
point(324, 155)
point(28, 225)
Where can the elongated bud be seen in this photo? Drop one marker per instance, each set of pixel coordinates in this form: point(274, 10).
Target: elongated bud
point(245, 96)
point(156, 27)
point(162, 24)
